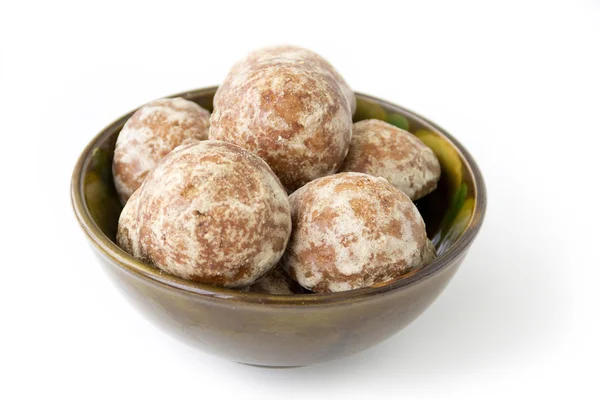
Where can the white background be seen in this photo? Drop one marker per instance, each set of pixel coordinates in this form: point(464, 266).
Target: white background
point(517, 82)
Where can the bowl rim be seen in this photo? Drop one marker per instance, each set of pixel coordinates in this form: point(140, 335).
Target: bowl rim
point(129, 264)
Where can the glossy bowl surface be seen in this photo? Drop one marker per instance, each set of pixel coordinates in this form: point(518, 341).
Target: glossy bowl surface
point(297, 330)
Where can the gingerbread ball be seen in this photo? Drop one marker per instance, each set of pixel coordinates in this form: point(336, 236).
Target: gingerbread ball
point(150, 134)
point(294, 117)
point(430, 253)
point(210, 212)
point(351, 231)
point(299, 54)
point(380, 149)
point(276, 281)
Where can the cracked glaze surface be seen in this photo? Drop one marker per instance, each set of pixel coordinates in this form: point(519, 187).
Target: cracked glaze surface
point(352, 230)
point(210, 212)
point(289, 114)
point(293, 53)
point(381, 149)
point(150, 134)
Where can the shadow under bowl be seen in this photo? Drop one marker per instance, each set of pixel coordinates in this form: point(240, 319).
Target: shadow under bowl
point(297, 330)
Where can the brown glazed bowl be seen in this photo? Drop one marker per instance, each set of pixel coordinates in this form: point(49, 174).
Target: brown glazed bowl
point(285, 331)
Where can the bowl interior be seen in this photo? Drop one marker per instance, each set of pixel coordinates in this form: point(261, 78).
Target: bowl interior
point(447, 211)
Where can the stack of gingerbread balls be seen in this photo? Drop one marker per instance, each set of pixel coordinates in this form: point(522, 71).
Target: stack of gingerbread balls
point(276, 191)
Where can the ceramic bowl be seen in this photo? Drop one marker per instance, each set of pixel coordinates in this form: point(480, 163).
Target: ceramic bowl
point(285, 331)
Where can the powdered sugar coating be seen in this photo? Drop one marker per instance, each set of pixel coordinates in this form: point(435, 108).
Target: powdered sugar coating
point(381, 149)
point(128, 229)
point(352, 230)
point(150, 134)
point(430, 253)
point(293, 117)
point(293, 53)
point(210, 212)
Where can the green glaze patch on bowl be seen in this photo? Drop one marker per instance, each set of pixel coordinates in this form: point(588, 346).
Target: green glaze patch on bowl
point(100, 193)
point(398, 120)
point(366, 109)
